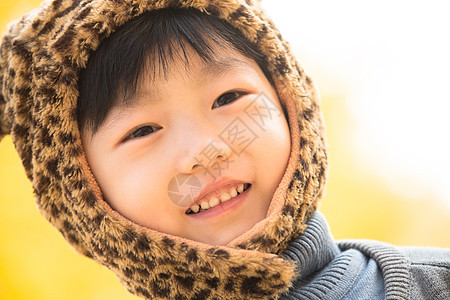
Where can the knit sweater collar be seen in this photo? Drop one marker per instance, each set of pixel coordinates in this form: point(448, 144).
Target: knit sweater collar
point(330, 270)
point(325, 272)
point(314, 249)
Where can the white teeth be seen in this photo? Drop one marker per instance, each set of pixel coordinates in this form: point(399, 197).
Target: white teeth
point(195, 208)
point(205, 205)
point(214, 202)
point(225, 197)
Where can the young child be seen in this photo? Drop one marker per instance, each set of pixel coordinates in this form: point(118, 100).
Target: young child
point(180, 144)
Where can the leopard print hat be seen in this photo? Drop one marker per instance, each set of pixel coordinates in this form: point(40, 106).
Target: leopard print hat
point(41, 57)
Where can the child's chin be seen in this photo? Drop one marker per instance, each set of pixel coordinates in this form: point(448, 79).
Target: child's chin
point(222, 237)
point(218, 241)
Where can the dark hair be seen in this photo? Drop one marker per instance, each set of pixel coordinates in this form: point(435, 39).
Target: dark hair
point(150, 42)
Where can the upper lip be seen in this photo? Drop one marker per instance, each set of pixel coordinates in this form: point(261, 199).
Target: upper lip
point(215, 186)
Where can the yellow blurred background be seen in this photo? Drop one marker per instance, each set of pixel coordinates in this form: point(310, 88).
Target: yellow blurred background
point(36, 263)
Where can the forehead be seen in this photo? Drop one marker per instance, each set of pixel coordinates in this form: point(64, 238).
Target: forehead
point(191, 68)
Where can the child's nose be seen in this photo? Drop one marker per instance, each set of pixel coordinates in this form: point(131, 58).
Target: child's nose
point(203, 153)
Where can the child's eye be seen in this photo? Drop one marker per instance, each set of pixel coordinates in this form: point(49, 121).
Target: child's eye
point(227, 98)
point(140, 132)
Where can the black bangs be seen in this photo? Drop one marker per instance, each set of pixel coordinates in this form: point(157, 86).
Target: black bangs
point(150, 43)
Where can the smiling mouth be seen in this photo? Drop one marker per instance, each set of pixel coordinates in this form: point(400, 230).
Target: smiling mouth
point(206, 204)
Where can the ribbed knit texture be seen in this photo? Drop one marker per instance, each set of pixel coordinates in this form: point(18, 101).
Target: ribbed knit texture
point(327, 272)
point(393, 264)
point(315, 248)
point(364, 269)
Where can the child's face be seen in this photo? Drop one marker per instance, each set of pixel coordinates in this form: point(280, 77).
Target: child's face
point(209, 123)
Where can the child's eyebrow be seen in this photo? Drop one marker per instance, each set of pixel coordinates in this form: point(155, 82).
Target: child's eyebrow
point(223, 66)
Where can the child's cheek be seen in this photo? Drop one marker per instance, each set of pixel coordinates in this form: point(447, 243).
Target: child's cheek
point(265, 118)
